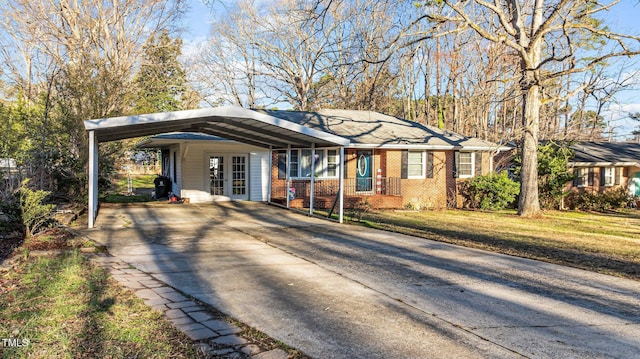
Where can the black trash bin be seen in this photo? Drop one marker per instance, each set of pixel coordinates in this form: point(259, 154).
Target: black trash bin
point(163, 186)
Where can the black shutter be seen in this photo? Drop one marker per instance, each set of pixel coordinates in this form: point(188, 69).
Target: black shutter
point(282, 164)
point(456, 161)
point(429, 164)
point(478, 163)
point(602, 179)
point(591, 176)
point(617, 174)
point(576, 177)
point(404, 164)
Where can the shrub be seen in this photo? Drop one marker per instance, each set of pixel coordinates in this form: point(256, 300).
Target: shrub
point(552, 172)
point(598, 201)
point(36, 215)
point(493, 191)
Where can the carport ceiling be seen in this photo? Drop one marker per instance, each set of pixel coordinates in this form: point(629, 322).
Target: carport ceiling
point(230, 122)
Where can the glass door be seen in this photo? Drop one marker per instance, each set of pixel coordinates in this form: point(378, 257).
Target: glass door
point(216, 176)
point(239, 177)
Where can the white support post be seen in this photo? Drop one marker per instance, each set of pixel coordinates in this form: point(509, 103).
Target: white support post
point(287, 178)
point(269, 184)
point(313, 177)
point(93, 178)
point(341, 186)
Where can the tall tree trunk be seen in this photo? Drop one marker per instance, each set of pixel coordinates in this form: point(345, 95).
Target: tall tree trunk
point(529, 204)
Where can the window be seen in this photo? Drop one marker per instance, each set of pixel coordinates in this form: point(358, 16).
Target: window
point(465, 164)
point(326, 163)
point(293, 164)
point(305, 164)
point(332, 163)
point(580, 177)
point(583, 177)
point(319, 164)
point(608, 176)
point(415, 164)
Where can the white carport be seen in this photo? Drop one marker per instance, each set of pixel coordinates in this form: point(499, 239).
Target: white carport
point(230, 122)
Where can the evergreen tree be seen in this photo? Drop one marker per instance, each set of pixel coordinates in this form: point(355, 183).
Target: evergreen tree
point(161, 80)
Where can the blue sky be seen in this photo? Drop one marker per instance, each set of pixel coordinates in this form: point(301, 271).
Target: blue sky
point(624, 18)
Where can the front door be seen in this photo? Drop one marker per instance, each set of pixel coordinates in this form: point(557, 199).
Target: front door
point(364, 174)
point(636, 181)
point(228, 177)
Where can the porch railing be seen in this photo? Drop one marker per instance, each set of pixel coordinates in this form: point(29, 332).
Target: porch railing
point(389, 186)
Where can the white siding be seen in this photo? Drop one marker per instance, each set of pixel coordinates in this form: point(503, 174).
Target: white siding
point(194, 167)
point(259, 176)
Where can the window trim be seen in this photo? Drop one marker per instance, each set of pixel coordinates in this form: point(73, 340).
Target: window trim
point(612, 176)
point(472, 169)
point(423, 164)
point(323, 170)
point(582, 178)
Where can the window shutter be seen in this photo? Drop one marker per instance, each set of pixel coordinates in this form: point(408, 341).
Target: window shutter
point(478, 163)
point(456, 161)
point(591, 176)
point(429, 164)
point(576, 177)
point(404, 164)
point(282, 165)
point(617, 174)
point(602, 179)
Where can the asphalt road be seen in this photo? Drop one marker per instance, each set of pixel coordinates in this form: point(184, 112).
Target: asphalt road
point(340, 291)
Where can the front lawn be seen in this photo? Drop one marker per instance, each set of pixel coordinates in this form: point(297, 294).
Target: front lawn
point(61, 306)
point(607, 243)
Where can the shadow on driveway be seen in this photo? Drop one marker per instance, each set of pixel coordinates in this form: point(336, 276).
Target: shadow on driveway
point(340, 291)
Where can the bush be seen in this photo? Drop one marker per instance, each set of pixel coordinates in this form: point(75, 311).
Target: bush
point(493, 191)
point(598, 201)
point(36, 215)
point(552, 172)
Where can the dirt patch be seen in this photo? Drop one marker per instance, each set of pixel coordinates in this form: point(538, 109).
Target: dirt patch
point(50, 240)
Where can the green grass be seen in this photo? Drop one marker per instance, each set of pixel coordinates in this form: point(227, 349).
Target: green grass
point(68, 308)
point(607, 243)
point(142, 186)
point(138, 182)
point(120, 198)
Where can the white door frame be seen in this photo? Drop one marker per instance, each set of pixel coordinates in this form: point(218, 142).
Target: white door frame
point(227, 175)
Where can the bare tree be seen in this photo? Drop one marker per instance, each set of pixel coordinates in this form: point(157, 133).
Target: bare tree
point(543, 34)
point(79, 55)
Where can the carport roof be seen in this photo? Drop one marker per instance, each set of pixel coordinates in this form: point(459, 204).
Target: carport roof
point(230, 122)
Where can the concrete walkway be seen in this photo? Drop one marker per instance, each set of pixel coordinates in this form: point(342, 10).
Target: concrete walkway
point(341, 291)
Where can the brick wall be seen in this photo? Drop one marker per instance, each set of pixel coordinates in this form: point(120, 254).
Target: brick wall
point(441, 191)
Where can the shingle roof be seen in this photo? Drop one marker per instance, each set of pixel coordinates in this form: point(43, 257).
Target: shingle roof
point(375, 129)
point(606, 152)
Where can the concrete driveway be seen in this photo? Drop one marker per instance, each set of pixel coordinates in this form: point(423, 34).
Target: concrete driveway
point(340, 291)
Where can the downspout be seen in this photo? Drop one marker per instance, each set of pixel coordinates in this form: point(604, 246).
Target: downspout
point(341, 186)
point(269, 184)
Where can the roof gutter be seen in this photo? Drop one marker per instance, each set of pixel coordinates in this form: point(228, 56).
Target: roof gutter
point(429, 147)
point(604, 164)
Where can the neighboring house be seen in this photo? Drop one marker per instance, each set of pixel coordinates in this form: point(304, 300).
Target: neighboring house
point(603, 166)
point(9, 171)
point(389, 163)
